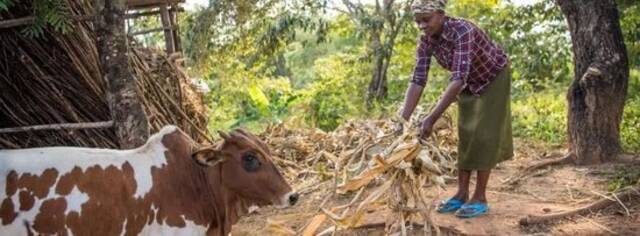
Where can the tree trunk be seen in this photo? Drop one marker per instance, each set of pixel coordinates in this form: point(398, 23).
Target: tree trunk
point(596, 96)
point(128, 115)
point(281, 66)
point(382, 23)
point(378, 84)
point(383, 71)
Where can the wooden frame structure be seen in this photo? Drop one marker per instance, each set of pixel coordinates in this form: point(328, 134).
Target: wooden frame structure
point(168, 11)
point(138, 4)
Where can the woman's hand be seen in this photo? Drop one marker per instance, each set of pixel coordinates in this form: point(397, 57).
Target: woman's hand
point(427, 127)
point(398, 123)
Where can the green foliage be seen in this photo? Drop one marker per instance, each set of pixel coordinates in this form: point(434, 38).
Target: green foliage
point(336, 94)
point(631, 118)
point(269, 24)
point(5, 5)
point(301, 54)
point(541, 116)
point(624, 176)
point(630, 23)
point(283, 31)
point(53, 13)
point(258, 98)
point(240, 96)
point(216, 28)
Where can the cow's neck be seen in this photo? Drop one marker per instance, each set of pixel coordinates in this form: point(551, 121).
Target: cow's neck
point(182, 189)
point(230, 206)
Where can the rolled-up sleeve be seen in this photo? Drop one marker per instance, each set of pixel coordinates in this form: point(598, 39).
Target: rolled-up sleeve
point(462, 55)
point(423, 61)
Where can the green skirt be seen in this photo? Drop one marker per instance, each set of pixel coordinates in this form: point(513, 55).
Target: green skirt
point(484, 125)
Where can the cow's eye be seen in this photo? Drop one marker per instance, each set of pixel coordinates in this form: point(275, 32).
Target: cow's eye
point(250, 162)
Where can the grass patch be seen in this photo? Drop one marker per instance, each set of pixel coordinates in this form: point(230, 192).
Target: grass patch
point(624, 176)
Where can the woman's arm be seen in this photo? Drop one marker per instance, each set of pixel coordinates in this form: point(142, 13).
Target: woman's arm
point(453, 89)
point(411, 99)
point(419, 79)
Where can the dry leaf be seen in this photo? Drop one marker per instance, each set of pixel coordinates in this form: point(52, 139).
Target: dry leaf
point(316, 222)
point(278, 228)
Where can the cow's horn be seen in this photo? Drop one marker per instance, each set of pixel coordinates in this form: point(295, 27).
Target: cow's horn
point(224, 135)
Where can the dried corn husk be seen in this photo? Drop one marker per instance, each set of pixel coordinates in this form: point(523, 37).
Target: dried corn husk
point(370, 158)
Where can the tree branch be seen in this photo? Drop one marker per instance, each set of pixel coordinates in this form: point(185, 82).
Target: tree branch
point(339, 10)
point(596, 206)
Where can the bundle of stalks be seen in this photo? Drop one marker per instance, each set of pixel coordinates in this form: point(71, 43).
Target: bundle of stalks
point(57, 79)
point(169, 97)
point(369, 161)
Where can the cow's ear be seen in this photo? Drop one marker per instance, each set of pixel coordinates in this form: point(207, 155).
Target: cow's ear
point(208, 156)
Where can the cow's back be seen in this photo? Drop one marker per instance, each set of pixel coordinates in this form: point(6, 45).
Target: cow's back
point(82, 191)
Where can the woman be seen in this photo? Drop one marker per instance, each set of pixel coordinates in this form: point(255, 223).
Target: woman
point(481, 81)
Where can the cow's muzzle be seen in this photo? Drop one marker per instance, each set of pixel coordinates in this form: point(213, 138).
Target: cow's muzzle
point(290, 199)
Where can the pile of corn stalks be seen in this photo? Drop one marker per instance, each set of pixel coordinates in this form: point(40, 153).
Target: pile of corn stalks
point(371, 158)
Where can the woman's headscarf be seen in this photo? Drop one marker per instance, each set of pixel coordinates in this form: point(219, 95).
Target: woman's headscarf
point(427, 6)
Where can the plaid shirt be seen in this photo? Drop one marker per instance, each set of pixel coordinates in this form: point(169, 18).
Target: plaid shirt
point(465, 50)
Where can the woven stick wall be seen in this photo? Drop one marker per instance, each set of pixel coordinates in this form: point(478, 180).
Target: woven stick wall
point(56, 79)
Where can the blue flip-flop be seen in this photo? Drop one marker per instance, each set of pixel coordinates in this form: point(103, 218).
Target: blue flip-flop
point(450, 205)
point(472, 210)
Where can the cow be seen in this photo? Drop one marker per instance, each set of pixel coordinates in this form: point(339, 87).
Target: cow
point(168, 186)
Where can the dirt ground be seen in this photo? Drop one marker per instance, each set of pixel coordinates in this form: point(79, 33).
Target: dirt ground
point(550, 190)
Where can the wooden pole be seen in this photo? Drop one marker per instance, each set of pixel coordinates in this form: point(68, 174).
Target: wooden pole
point(63, 126)
point(168, 32)
point(173, 14)
point(29, 20)
point(149, 31)
point(141, 4)
point(141, 14)
point(153, 12)
point(17, 22)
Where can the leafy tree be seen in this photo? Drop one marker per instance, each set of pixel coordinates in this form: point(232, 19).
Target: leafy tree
point(269, 24)
point(380, 25)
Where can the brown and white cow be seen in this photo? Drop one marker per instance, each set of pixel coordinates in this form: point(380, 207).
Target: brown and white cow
point(169, 186)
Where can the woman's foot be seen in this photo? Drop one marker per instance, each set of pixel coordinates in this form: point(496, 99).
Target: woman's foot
point(453, 204)
point(478, 199)
point(476, 206)
point(461, 196)
point(470, 210)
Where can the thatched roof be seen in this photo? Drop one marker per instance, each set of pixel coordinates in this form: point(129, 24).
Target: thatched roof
point(57, 79)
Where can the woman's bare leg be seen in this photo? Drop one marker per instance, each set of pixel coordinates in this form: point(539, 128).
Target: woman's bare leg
point(463, 185)
point(481, 187)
